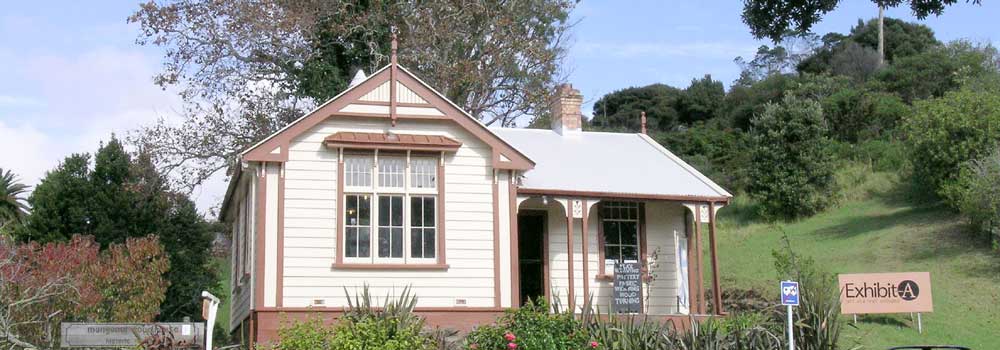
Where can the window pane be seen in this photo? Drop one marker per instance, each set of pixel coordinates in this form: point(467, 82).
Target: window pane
point(358, 171)
point(416, 243)
point(429, 212)
point(383, 242)
point(397, 242)
point(629, 232)
point(364, 242)
point(423, 172)
point(351, 212)
point(390, 171)
point(364, 210)
point(612, 252)
point(630, 253)
point(383, 210)
point(429, 236)
point(351, 246)
point(611, 232)
point(397, 211)
point(416, 215)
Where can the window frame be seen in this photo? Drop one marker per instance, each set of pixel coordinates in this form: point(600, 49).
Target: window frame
point(377, 191)
point(603, 272)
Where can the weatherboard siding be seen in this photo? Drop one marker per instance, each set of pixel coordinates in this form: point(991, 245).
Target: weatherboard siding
point(310, 223)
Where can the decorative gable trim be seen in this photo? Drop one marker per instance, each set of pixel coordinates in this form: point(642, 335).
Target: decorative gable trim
point(414, 100)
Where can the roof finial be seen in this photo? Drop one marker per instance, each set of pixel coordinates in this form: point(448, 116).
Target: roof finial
point(392, 78)
point(642, 120)
point(393, 47)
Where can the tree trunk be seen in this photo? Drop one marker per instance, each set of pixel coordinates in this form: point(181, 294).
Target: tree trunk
point(881, 35)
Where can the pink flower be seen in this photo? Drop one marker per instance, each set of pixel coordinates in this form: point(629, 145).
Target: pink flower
point(511, 346)
point(509, 336)
point(593, 344)
point(474, 346)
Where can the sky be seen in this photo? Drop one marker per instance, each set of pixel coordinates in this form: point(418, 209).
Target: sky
point(71, 74)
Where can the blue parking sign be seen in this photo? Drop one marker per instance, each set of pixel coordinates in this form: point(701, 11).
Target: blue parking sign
point(790, 293)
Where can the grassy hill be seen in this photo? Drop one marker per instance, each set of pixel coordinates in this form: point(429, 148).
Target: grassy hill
point(875, 228)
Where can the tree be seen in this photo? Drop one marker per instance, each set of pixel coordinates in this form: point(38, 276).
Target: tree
point(774, 18)
point(855, 114)
point(902, 38)
point(60, 203)
point(701, 100)
point(926, 75)
point(247, 68)
point(943, 133)
point(743, 102)
point(621, 110)
point(791, 165)
point(122, 197)
point(13, 208)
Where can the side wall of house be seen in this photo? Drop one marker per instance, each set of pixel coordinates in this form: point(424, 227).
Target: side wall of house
point(310, 224)
point(241, 284)
point(664, 224)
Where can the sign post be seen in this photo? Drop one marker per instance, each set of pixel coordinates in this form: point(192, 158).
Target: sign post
point(789, 298)
point(209, 306)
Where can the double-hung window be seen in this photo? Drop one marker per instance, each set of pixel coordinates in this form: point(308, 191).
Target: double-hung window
point(390, 208)
point(620, 223)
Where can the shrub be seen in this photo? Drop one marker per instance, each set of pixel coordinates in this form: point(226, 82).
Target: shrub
point(364, 325)
point(791, 168)
point(977, 194)
point(44, 285)
point(855, 115)
point(531, 327)
point(308, 334)
point(946, 132)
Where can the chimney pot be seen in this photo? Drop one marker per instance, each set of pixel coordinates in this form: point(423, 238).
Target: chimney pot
point(565, 109)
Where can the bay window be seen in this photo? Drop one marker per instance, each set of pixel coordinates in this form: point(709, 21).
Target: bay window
point(390, 208)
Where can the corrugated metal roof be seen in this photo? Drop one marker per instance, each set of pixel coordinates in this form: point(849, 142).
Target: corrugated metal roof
point(393, 140)
point(603, 162)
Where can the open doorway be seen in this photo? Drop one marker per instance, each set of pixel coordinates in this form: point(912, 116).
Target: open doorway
point(531, 254)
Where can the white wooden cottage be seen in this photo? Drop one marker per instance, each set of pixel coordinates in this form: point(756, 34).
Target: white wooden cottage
point(391, 185)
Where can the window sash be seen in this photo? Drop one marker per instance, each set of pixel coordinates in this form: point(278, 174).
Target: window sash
point(423, 227)
point(620, 223)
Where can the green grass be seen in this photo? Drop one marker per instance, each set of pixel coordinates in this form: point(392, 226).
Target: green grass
point(875, 228)
point(222, 315)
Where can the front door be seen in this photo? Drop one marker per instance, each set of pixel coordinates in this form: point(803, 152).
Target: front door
point(531, 251)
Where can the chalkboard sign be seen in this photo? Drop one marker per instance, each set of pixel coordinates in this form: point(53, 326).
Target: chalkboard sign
point(627, 298)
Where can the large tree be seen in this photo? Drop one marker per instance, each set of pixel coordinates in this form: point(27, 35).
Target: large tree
point(621, 110)
point(123, 196)
point(702, 100)
point(773, 19)
point(13, 208)
point(248, 67)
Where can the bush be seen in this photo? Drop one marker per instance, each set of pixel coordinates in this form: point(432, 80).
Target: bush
point(531, 327)
point(946, 132)
point(364, 326)
point(44, 285)
point(855, 115)
point(791, 168)
point(977, 195)
point(709, 148)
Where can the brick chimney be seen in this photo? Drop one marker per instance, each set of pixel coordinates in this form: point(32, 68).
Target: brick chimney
point(566, 116)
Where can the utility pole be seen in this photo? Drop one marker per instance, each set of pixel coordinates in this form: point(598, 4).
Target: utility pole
point(881, 35)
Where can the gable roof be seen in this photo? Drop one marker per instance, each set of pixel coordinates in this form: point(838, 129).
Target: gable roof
point(608, 164)
point(375, 97)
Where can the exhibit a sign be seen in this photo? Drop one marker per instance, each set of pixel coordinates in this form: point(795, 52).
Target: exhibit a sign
point(885, 293)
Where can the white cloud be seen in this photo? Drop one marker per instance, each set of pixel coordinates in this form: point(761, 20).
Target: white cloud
point(78, 100)
point(16, 101)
